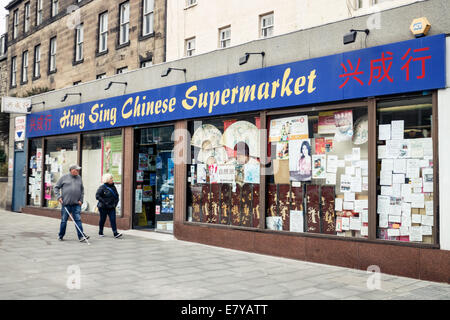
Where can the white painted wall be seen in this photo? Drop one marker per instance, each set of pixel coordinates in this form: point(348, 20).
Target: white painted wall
point(444, 159)
point(204, 19)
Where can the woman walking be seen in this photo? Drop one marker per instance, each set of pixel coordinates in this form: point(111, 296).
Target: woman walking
point(108, 198)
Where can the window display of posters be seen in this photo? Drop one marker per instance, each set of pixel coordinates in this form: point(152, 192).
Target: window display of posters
point(282, 150)
point(346, 183)
point(242, 131)
point(344, 125)
point(139, 176)
point(287, 129)
point(296, 221)
point(361, 130)
point(326, 122)
point(251, 173)
point(167, 203)
point(226, 173)
point(300, 160)
point(147, 194)
point(319, 166)
point(201, 173)
point(112, 157)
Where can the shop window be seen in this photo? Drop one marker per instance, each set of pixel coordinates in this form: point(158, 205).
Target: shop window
point(154, 179)
point(405, 206)
point(60, 154)
point(224, 174)
point(318, 178)
point(35, 173)
point(101, 153)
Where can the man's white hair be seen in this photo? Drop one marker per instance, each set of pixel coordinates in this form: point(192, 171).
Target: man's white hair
point(106, 177)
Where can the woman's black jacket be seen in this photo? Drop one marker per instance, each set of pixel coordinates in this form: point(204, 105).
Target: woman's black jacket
point(106, 199)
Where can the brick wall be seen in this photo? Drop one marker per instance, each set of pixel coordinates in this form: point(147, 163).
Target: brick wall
point(62, 26)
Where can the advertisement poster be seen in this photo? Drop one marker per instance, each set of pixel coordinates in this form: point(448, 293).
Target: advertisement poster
point(320, 145)
point(139, 176)
point(201, 173)
point(226, 173)
point(138, 201)
point(251, 173)
point(344, 125)
point(282, 150)
point(112, 157)
point(213, 173)
point(167, 203)
point(143, 161)
point(326, 123)
point(300, 160)
point(319, 166)
point(147, 194)
point(48, 191)
point(286, 129)
point(153, 179)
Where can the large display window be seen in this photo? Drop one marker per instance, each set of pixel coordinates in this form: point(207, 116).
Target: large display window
point(35, 173)
point(101, 153)
point(405, 171)
point(224, 174)
point(318, 182)
point(60, 153)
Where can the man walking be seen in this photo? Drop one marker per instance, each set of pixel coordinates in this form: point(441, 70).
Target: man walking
point(69, 191)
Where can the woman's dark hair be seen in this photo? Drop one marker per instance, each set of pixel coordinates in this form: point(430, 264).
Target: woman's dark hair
point(305, 143)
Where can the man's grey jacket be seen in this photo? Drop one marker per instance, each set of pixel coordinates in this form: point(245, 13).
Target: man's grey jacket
point(70, 188)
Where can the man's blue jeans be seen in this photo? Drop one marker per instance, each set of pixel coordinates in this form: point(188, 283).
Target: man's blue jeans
point(75, 211)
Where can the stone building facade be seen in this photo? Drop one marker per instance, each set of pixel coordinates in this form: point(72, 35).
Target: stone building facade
point(137, 52)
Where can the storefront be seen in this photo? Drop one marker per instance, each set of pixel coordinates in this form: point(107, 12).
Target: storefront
point(332, 160)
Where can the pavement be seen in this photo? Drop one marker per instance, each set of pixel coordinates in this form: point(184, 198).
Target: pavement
point(150, 266)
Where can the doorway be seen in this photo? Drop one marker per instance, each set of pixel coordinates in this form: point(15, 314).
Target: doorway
point(154, 179)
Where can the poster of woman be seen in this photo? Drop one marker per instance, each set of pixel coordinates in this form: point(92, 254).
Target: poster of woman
point(300, 164)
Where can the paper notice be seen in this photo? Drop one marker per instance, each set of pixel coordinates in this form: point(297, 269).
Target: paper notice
point(415, 234)
point(365, 183)
point(398, 178)
point(416, 218)
point(427, 144)
point(349, 171)
point(348, 205)
point(406, 208)
point(406, 221)
point(396, 190)
point(406, 192)
point(427, 176)
point(427, 220)
point(384, 132)
point(429, 208)
point(296, 221)
point(399, 165)
point(412, 168)
point(393, 232)
point(417, 200)
point(349, 196)
point(381, 152)
point(356, 152)
point(341, 163)
point(385, 178)
point(415, 148)
point(364, 231)
point(345, 223)
point(383, 204)
point(338, 202)
point(346, 183)
point(387, 164)
point(332, 164)
point(386, 191)
point(427, 231)
point(356, 184)
point(365, 215)
point(355, 223)
point(404, 231)
point(397, 129)
point(383, 221)
point(331, 178)
point(395, 219)
point(395, 210)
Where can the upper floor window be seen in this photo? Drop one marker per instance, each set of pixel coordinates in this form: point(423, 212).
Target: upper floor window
point(79, 38)
point(101, 76)
point(39, 12)
point(15, 23)
point(26, 20)
point(190, 2)
point(52, 55)
point(103, 32)
point(122, 70)
point(55, 7)
point(190, 47)
point(13, 71)
point(266, 22)
point(147, 17)
point(37, 61)
point(225, 37)
point(124, 31)
point(2, 45)
point(25, 67)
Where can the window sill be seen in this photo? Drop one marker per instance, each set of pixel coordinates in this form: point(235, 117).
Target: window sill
point(24, 83)
point(99, 54)
point(35, 78)
point(74, 63)
point(123, 45)
point(191, 6)
point(52, 72)
point(148, 36)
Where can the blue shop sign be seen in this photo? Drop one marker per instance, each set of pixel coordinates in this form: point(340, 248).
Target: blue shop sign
point(407, 66)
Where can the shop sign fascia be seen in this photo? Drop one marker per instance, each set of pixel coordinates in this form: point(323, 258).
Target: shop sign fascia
point(408, 66)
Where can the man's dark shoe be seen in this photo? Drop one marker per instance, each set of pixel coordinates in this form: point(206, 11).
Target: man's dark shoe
point(60, 238)
point(117, 235)
point(84, 238)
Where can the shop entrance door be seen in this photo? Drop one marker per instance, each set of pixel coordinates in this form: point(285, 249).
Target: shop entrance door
point(19, 181)
point(154, 179)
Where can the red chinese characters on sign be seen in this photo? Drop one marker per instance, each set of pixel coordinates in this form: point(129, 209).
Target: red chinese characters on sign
point(380, 68)
point(422, 59)
point(40, 123)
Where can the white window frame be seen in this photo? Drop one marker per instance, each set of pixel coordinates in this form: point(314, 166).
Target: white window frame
point(14, 71)
point(103, 32)
point(37, 61)
point(147, 63)
point(39, 12)
point(190, 47)
point(27, 17)
point(15, 24)
point(124, 23)
point(224, 40)
point(122, 70)
point(266, 30)
point(52, 63)
point(2, 45)
point(25, 66)
point(79, 39)
point(148, 8)
point(55, 7)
